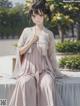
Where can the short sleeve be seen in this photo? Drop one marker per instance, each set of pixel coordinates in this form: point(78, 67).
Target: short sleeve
point(52, 55)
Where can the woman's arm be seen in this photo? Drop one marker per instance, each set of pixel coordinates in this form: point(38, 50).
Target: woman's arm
point(23, 47)
point(52, 55)
point(28, 45)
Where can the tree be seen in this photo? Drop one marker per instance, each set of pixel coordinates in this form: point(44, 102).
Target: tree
point(27, 5)
point(12, 20)
point(61, 21)
point(62, 11)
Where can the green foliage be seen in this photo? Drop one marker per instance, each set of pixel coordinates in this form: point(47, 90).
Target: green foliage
point(70, 62)
point(68, 46)
point(12, 21)
point(61, 19)
point(64, 16)
point(15, 19)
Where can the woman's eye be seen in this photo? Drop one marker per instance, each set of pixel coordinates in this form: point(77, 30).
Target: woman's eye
point(41, 15)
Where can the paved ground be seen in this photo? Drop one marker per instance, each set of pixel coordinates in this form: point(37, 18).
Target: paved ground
point(7, 47)
point(7, 51)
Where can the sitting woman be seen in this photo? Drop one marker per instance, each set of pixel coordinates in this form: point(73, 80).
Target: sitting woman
point(36, 66)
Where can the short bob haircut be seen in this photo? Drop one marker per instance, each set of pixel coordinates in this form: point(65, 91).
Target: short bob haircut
point(42, 6)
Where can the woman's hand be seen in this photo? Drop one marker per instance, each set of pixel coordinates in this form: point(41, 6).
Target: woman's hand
point(28, 45)
point(35, 39)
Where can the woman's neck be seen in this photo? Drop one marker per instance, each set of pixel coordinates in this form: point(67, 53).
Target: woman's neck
point(39, 27)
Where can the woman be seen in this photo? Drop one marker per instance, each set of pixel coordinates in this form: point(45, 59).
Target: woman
point(36, 66)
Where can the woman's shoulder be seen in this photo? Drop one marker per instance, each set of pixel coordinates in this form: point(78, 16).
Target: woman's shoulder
point(27, 32)
point(27, 29)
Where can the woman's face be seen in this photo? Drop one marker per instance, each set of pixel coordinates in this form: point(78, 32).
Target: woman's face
point(38, 19)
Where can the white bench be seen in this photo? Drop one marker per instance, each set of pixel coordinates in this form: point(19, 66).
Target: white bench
point(6, 89)
point(68, 88)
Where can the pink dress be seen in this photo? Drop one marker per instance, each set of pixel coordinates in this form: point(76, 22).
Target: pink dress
point(36, 71)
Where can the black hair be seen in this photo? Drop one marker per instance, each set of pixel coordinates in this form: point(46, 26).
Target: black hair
point(42, 6)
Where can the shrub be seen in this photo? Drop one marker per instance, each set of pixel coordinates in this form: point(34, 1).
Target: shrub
point(68, 47)
point(70, 62)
